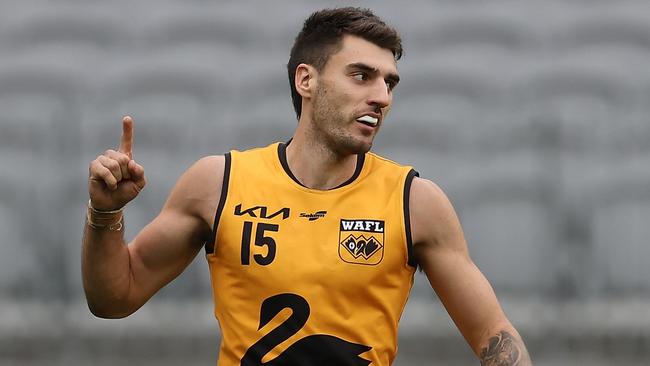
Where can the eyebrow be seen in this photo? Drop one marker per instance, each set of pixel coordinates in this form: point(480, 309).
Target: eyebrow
point(392, 77)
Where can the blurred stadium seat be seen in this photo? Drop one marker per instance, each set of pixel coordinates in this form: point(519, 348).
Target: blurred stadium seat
point(506, 205)
point(587, 109)
point(264, 113)
point(38, 123)
point(453, 109)
point(209, 28)
point(19, 260)
point(603, 31)
point(91, 29)
point(619, 208)
point(505, 34)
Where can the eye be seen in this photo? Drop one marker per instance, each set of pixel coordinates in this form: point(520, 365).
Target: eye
point(360, 76)
point(391, 83)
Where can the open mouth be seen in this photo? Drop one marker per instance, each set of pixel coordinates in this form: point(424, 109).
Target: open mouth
point(368, 120)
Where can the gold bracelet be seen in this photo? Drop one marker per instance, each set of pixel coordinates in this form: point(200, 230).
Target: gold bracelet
point(90, 206)
point(98, 220)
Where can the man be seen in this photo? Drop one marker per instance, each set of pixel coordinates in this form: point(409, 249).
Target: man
point(318, 225)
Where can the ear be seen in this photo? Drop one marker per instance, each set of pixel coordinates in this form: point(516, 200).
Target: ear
point(305, 80)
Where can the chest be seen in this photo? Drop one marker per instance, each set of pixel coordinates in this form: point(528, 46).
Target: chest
point(273, 239)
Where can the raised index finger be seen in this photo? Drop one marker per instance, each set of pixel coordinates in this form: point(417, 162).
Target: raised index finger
point(126, 142)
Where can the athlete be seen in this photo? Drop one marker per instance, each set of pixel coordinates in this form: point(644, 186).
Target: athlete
point(312, 243)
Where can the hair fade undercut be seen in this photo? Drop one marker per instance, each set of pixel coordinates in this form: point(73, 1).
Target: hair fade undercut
point(321, 37)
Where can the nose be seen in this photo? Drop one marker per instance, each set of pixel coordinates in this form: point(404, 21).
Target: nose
point(381, 96)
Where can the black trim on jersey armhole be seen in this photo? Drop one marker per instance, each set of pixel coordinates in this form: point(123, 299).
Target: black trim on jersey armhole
point(407, 216)
point(209, 246)
point(282, 155)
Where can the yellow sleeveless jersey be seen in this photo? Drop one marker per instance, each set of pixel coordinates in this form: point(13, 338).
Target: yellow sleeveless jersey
point(310, 277)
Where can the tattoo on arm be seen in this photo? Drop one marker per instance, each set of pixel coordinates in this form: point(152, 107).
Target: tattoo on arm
point(505, 350)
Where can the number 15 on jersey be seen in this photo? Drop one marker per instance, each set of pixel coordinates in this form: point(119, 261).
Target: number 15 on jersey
point(261, 240)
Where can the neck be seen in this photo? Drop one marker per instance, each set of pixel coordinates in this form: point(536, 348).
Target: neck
point(317, 166)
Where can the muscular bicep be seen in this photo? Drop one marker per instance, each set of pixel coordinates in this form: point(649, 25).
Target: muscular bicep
point(441, 251)
point(167, 245)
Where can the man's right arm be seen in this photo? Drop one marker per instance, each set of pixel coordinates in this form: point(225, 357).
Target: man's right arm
point(118, 279)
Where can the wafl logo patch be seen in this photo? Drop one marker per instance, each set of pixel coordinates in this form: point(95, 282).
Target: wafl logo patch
point(361, 241)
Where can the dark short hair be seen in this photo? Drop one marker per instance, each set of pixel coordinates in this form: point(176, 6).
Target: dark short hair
point(321, 37)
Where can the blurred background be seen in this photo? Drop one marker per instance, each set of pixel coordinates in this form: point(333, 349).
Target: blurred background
point(533, 116)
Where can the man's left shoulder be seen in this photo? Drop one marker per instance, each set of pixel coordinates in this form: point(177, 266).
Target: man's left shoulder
point(432, 213)
point(381, 163)
point(426, 196)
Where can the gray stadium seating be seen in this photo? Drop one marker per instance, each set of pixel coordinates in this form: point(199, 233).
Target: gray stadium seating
point(532, 116)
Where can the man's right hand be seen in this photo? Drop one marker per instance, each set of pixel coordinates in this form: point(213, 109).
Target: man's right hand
point(114, 177)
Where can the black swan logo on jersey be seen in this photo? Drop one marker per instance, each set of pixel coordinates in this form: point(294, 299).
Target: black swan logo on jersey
point(361, 241)
point(312, 350)
point(361, 246)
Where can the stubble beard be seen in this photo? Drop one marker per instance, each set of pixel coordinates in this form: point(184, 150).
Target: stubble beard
point(329, 125)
